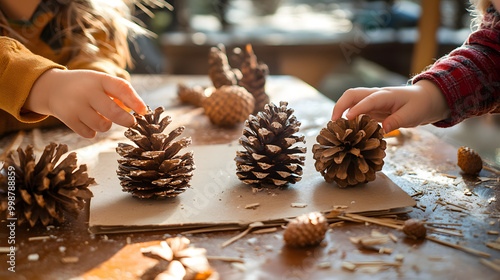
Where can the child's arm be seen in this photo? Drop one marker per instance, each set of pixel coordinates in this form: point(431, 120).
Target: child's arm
point(81, 99)
point(395, 107)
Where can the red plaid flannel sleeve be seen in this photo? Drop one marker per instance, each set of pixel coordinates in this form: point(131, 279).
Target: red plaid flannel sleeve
point(469, 76)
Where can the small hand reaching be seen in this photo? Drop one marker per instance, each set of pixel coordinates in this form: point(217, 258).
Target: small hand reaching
point(83, 100)
point(395, 107)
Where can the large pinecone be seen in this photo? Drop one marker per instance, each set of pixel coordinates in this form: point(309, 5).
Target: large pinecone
point(219, 71)
point(306, 230)
point(45, 190)
point(229, 105)
point(349, 152)
point(254, 78)
point(153, 169)
point(270, 155)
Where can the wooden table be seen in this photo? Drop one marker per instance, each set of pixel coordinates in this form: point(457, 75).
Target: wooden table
point(418, 161)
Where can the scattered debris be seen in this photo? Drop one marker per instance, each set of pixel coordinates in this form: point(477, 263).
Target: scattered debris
point(38, 238)
point(33, 257)
point(70, 259)
point(252, 205)
point(245, 232)
point(298, 205)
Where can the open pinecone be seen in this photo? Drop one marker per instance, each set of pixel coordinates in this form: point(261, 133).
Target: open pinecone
point(229, 105)
point(270, 155)
point(349, 152)
point(220, 72)
point(45, 190)
point(306, 230)
point(254, 78)
point(153, 169)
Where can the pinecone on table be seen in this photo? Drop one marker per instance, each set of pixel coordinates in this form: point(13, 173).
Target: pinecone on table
point(349, 152)
point(254, 78)
point(192, 95)
point(469, 161)
point(306, 230)
point(153, 168)
point(43, 191)
point(270, 155)
point(219, 70)
point(229, 105)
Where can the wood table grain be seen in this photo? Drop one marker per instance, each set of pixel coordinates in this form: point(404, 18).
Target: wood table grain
point(417, 160)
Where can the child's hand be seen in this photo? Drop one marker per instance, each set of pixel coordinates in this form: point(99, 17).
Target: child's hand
point(395, 107)
point(81, 99)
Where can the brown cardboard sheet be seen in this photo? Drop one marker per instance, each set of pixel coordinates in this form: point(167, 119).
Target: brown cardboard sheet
point(218, 198)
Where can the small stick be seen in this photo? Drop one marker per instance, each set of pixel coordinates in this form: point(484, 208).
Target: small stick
point(373, 221)
point(418, 193)
point(442, 224)
point(491, 169)
point(243, 233)
point(449, 176)
point(456, 205)
point(445, 231)
point(225, 259)
point(376, 263)
point(462, 248)
point(265, 230)
point(490, 264)
point(36, 238)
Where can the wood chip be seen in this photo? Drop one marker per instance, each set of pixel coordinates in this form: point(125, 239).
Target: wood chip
point(298, 205)
point(462, 248)
point(265, 230)
point(225, 259)
point(449, 176)
point(490, 264)
point(493, 245)
point(418, 193)
point(252, 205)
point(5, 250)
point(324, 265)
point(349, 266)
point(37, 238)
point(385, 250)
point(70, 259)
point(492, 232)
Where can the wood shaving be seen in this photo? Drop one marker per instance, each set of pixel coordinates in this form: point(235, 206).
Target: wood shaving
point(298, 205)
point(324, 265)
point(252, 205)
point(70, 259)
point(492, 232)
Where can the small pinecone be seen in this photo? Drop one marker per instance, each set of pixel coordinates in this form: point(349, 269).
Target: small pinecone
point(153, 169)
point(270, 155)
point(254, 78)
point(349, 152)
point(45, 190)
point(469, 161)
point(306, 230)
point(229, 105)
point(194, 96)
point(220, 72)
point(414, 229)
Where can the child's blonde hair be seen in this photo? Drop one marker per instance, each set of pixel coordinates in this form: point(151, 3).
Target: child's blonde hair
point(79, 20)
point(478, 11)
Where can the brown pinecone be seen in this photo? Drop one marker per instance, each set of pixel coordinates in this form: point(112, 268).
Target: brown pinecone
point(219, 71)
point(254, 78)
point(414, 229)
point(306, 230)
point(270, 155)
point(45, 190)
point(192, 95)
point(229, 105)
point(469, 161)
point(153, 169)
point(349, 152)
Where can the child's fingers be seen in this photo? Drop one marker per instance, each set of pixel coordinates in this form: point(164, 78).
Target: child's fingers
point(94, 120)
point(79, 127)
point(375, 102)
point(110, 110)
point(350, 98)
point(123, 91)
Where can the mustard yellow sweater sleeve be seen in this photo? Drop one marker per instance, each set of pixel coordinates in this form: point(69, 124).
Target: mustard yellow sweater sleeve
point(19, 69)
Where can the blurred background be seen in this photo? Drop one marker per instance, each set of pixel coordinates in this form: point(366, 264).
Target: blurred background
point(332, 45)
